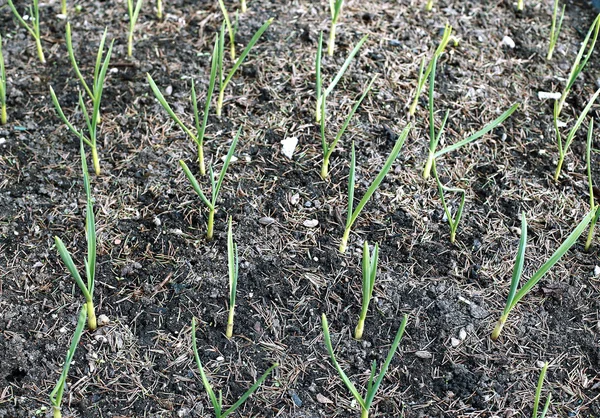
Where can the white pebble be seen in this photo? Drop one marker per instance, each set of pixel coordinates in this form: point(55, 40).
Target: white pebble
point(310, 223)
point(507, 40)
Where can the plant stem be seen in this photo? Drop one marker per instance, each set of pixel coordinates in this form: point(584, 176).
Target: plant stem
point(211, 221)
point(3, 115)
point(499, 326)
point(63, 7)
point(452, 236)
point(429, 5)
point(520, 5)
point(325, 169)
point(159, 9)
point(588, 242)
point(95, 160)
point(559, 167)
point(413, 106)
point(331, 44)
point(344, 243)
point(56, 412)
point(244, 7)
point(428, 165)
point(201, 159)
point(220, 102)
point(229, 331)
point(91, 314)
point(40, 51)
point(130, 44)
point(360, 327)
point(364, 413)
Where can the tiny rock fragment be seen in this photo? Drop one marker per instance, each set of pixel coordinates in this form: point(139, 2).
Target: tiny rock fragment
point(310, 223)
point(455, 342)
point(233, 158)
point(220, 358)
point(296, 398)
point(423, 354)
point(103, 320)
point(597, 271)
point(539, 364)
point(289, 146)
point(508, 41)
point(156, 221)
point(516, 230)
point(169, 90)
point(462, 334)
point(266, 220)
point(295, 199)
point(323, 399)
point(543, 95)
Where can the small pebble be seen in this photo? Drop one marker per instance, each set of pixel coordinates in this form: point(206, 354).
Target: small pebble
point(455, 342)
point(156, 221)
point(539, 364)
point(295, 199)
point(423, 354)
point(543, 95)
point(310, 223)
point(462, 334)
point(103, 320)
point(597, 271)
point(266, 220)
point(508, 41)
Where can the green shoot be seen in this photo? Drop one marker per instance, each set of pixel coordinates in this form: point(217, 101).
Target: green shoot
point(593, 205)
point(3, 116)
point(373, 383)
point(223, 82)
point(538, 394)
point(520, 5)
point(580, 61)
point(429, 5)
point(452, 221)
point(217, 402)
point(243, 5)
point(86, 288)
point(159, 9)
point(133, 13)
point(344, 67)
point(353, 213)
point(434, 138)
point(424, 72)
point(335, 7)
point(564, 147)
point(215, 186)
point(329, 148)
point(91, 92)
point(555, 29)
point(369, 272)
point(57, 394)
point(233, 263)
point(92, 121)
point(230, 29)
point(34, 28)
point(63, 7)
point(515, 296)
point(197, 137)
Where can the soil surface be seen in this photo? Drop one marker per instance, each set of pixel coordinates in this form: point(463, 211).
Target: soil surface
point(156, 270)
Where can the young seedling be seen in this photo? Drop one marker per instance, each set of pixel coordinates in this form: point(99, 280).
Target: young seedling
point(91, 92)
point(198, 136)
point(223, 82)
point(452, 221)
point(434, 138)
point(369, 272)
point(593, 205)
point(243, 5)
point(159, 9)
point(34, 28)
point(335, 7)
point(3, 115)
point(319, 85)
point(580, 61)
point(424, 72)
point(59, 389)
point(353, 213)
point(373, 383)
point(133, 13)
point(429, 5)
point(515, 296)
point(215, 186)
point(217, 402)
point(92, 121)
point(520, 5)
point(563, 147)
point(538, 394)
point(329, 148)
point(230, 29)
point(233, 263)
point(555, 29)
point(90, 264)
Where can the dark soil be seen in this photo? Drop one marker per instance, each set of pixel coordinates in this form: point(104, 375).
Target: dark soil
point(156, 271)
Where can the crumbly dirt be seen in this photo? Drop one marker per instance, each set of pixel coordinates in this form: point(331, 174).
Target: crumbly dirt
point(156, 271)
